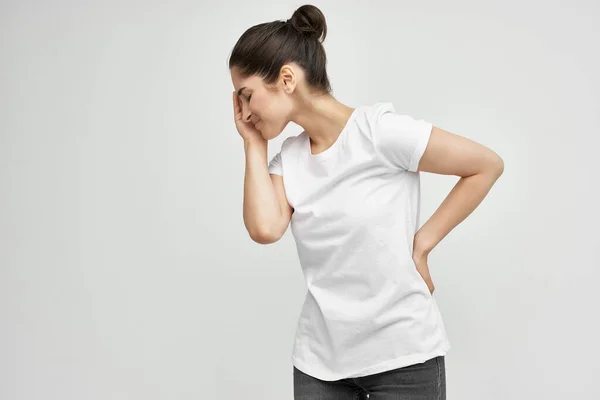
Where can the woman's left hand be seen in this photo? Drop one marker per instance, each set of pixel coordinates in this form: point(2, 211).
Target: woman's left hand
point(421, 263)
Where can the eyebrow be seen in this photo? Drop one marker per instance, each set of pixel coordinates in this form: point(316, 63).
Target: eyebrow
point(239, 92)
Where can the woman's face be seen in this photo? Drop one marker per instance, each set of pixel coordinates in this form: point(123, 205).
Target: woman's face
point(268, 108)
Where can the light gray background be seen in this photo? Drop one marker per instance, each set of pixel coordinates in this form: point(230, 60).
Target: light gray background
point(126, 271)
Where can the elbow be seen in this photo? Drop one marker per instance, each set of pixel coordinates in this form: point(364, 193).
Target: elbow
point(263, 236)
point(498, 165)
point(494, 166)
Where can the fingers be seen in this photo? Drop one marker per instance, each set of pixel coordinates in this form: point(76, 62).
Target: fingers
point(236, 105)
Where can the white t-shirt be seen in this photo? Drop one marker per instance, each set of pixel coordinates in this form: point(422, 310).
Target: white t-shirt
point(356, 210)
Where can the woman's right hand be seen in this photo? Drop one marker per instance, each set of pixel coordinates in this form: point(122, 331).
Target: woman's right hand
point(246, 129)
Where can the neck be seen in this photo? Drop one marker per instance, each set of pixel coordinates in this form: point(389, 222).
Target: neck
point(323, 119)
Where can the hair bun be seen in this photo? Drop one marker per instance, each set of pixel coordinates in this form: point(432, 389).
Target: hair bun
point(310, 20)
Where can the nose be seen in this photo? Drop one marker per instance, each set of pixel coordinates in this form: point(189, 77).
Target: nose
point(246, 113)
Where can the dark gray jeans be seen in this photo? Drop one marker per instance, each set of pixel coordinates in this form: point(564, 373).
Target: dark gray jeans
point(423, 381)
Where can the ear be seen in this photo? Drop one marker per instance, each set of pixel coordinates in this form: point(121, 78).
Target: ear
point(289, 78)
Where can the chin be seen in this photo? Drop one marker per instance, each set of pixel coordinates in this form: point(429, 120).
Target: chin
point(273, 134)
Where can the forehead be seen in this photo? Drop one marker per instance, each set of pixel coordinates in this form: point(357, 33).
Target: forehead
point(239, 82)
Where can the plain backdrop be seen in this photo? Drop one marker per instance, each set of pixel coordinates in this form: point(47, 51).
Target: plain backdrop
point(126, 271)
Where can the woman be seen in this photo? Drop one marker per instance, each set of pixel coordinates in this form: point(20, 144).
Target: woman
point(349, 183)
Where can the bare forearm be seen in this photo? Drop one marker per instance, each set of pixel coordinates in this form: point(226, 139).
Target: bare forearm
point(466, 195)
point(261, 207)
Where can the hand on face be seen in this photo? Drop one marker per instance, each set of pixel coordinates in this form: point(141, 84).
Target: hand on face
point(246, 129)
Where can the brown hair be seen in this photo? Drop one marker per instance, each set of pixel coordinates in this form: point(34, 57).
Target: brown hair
point(264, 48)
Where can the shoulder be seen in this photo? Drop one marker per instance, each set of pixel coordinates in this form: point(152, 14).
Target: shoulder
point(376, 110)
point(398, 138)
point(382, 113)
point(379, 108)
point(292, 143)
point(383, 118)
point(374, 114)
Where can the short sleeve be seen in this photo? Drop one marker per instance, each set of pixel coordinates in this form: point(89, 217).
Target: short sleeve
point(399, 139)
point(275, 165)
